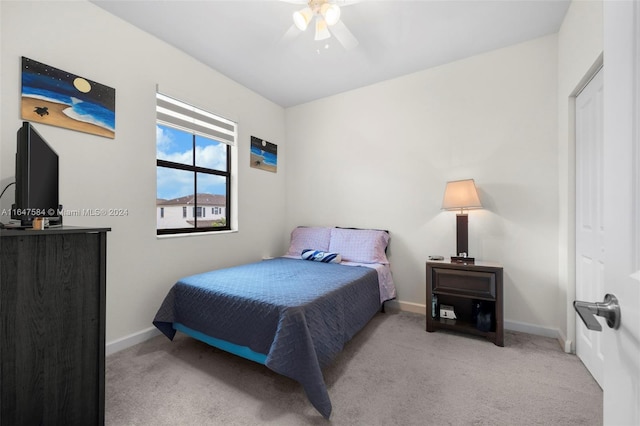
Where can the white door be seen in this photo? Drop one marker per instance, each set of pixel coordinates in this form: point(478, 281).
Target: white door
point(622, 209)
point(589, 217)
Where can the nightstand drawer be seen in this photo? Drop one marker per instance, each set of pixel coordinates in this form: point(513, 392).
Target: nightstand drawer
point(465, 283)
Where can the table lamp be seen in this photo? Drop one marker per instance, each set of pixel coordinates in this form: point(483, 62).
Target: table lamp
point(461, 195)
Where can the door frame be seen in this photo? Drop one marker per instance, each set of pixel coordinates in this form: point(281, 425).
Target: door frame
point(570, 338)
point(590, 357)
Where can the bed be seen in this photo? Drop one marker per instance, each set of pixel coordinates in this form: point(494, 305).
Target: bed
point(294, 313)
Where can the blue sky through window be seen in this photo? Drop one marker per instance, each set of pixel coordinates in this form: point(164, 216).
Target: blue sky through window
point(177, 146)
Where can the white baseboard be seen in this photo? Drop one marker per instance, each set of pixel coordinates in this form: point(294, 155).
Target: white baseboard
point(130, 340)
point(406, 306)
point(531, 328)
point(538, 330)
point(567, 344)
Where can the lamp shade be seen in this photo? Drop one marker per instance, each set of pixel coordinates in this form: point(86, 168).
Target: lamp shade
point(461, 194)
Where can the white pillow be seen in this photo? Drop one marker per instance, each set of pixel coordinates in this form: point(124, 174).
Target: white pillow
point(303, 237)
point(360, 245)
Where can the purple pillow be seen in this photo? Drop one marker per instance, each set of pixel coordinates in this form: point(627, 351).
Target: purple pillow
point(360, 245)
point(303, 237)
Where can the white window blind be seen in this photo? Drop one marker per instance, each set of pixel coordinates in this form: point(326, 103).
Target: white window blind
point(178, 114)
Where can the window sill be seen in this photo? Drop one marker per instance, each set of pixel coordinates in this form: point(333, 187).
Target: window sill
point(195, 234)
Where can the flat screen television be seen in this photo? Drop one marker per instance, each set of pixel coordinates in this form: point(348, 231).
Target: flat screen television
point(36, 177)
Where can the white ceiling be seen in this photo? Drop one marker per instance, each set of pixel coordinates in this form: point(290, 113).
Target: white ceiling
point(243, 39)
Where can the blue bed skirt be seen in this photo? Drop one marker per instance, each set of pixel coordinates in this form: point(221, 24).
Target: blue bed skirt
point(242, 351)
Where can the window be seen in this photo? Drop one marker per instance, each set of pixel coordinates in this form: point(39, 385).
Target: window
point(193, 158)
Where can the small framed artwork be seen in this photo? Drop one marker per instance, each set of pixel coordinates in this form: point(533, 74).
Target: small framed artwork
point(60, 98)
point(264, 155)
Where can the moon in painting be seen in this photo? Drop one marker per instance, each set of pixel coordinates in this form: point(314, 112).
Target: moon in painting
point(82, 85)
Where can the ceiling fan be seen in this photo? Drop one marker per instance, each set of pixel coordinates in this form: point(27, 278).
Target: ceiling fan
point(326, 14)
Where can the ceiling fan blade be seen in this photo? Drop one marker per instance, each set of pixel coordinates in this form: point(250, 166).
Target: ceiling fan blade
point(291, 34)
point(344, 36)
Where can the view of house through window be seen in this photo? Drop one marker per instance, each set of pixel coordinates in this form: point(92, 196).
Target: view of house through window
point(193, 156)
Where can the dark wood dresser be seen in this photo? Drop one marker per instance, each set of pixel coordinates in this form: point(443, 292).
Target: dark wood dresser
point(52, 326)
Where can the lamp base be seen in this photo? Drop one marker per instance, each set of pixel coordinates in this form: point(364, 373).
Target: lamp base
point(462, 233)
point(460, 259)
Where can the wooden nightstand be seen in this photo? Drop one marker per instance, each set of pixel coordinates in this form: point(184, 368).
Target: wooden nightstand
point(473, 290)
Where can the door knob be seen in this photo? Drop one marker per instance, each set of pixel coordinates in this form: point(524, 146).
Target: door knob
point(608, 309)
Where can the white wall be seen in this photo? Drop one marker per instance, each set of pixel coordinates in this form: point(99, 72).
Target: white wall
point(99, 172)
point(580, 46)
point(374, 157)
point(380, 157)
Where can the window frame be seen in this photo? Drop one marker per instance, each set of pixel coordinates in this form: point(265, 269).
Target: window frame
point(227, 174)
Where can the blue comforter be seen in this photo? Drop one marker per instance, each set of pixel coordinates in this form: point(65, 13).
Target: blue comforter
point(298, 313)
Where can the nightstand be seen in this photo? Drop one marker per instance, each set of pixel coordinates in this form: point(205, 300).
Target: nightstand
point(475, 293)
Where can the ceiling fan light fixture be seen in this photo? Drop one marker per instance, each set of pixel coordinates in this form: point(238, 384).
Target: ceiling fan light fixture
point(322, 32)
point(331, 13)
point(302, 18)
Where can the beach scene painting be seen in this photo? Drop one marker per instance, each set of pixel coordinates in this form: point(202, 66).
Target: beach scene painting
point(60, 98)
point(264, 155)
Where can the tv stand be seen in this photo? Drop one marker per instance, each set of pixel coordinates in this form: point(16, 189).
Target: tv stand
point(21, 227)
point(52, 317)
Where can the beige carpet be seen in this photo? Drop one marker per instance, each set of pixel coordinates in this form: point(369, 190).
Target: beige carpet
point(391, 373)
